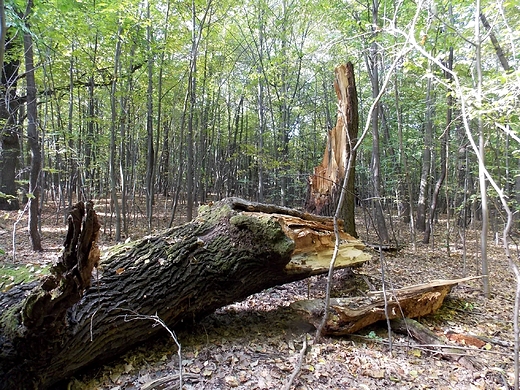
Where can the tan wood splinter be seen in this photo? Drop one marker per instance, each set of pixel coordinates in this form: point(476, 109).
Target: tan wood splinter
point(348, 315)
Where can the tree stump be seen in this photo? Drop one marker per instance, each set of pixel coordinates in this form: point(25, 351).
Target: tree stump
point(325, 183)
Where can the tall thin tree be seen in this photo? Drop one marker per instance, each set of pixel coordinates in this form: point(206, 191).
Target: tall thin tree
point(150, 155)
point(113, 130)
point(481, 172)
point(373, 66)
point(32, 135)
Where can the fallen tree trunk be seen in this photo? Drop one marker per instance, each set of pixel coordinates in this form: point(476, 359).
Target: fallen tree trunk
point(348, 315)
point(52, 328)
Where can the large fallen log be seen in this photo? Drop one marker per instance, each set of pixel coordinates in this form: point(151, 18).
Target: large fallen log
point(68, 320)
point(348, 315)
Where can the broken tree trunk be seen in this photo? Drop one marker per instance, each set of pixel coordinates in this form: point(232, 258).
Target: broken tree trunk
point(52, 328)
point(348, 315)
point(324, 185)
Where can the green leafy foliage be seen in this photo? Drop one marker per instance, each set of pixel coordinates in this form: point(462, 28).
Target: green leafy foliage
point(263, 96)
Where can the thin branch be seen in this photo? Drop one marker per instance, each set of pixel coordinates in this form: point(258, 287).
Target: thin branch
point(298, 367)
point(20, 215)
point(159, 321)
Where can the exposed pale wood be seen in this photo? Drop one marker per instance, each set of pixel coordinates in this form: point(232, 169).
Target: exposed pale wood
point(326, 181)
point(52, 328)
point(348, 315)
point(314, 243)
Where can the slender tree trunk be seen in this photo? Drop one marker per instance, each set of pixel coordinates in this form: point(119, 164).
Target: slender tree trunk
point(180, 158)
point(122, 163)
point(192, 85)
point(375, 162)
point(190, 170)
point(496, 45)
point(481, 174)
point(9, 138)
point(426, 161)
point(2, 37)
point(162, 167)
point(33, 138)
point(113, 129)
point(150, 162)
point(71, 162)
point(444, 148)
point(406, 191)
point(192, 88)
point(88, 172)
point(260, 107)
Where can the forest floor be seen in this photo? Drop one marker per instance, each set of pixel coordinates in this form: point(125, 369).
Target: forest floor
point(255, 344)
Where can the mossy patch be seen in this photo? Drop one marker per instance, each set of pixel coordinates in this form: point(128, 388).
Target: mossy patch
point(12, 274)
point(10, 321)
point(265, 228)
point(212, 213)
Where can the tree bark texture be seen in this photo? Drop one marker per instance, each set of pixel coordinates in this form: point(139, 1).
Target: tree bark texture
point(325, 184)
point(33, 139)
point(231, 250)
point(9, 134)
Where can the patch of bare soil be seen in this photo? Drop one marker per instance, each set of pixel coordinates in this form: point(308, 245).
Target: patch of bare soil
point(255, 344)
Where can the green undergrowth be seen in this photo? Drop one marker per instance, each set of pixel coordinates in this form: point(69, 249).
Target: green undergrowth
point(12, 274)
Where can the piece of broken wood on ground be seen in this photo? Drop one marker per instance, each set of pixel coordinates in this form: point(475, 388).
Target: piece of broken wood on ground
point(433, 343)
point(54, 327)
point(348, 315)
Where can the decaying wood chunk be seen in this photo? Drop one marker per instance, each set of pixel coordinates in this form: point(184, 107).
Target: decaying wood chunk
point(314, 244)
point(348, 315)
point(433, 343)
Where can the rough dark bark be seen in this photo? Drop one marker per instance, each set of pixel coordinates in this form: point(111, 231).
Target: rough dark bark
point(33, 138)
point(231, 250)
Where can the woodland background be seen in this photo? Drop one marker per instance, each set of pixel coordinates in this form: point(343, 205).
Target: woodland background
point(152, 108)
point(195, 101)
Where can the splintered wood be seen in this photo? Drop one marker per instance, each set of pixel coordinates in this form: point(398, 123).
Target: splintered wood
point(325, 182)
point(314, 242)
point(348, 315)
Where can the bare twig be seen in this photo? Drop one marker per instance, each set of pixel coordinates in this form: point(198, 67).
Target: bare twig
point(159, 321)
point(298, 367)
point(353, 148)
point(20, 215)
